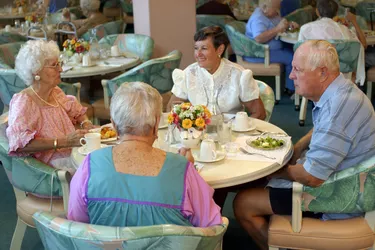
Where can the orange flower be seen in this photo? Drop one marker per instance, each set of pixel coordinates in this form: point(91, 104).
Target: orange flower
point(200, 122)
point(170, 119)
point(187, 123)
point(186, 105)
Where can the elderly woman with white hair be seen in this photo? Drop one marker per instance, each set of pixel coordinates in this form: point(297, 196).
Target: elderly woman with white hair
point(135, 184)
point(90, 9)
point(263, 26)
point(42, 118)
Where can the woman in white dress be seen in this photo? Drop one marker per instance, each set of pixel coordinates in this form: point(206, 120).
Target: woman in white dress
point(213, 78)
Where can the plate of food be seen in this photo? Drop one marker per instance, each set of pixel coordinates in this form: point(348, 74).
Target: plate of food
point(266, 143)
point(107, 132)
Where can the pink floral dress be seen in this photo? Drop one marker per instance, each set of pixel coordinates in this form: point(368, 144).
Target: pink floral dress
point(27, 121)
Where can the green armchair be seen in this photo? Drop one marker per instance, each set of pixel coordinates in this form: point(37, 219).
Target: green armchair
point(8, 53)
point(115, 27)
point(268, 98)
point(210, 20)
point(140, 45)
point(9, 37)
point(156, 72)
point(302, 15)
point(27, 174)
point(348, 191)
point(59, 233)
point(348, 52)
point(244, 46)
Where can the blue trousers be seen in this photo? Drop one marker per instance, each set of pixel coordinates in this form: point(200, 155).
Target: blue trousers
point(283, 56)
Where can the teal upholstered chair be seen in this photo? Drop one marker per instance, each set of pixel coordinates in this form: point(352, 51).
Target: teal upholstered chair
point(244, 46)
point(212, 20)
point(59, 233)
point(139, 45)
point(127, 6)
point(364, 9)
point(8, 53)
point(9, 37)
point(27, 174)
point(347, 191)
point(268, 98)
point(10, 84)
point(102, 30)
point(302, 15)
point(156, 72)
point(199, 3)
point(348, 52)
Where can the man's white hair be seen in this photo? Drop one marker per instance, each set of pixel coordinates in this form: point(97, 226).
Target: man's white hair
point(32, 57)
point(90, 5)
point(322, 54)
point(265, 3)
point(135, 107)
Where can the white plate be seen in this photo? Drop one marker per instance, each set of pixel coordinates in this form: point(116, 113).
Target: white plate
point(251, 127)
point(82, 150)
point(219, 156)
point(97, 130)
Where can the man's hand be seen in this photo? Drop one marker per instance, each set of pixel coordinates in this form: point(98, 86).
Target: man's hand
point(187, 153)
point(282, 26)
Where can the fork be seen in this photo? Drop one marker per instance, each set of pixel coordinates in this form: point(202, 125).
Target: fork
point(249, 153)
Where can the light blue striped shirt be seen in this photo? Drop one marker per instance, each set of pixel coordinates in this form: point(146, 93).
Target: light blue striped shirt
point(343, 135)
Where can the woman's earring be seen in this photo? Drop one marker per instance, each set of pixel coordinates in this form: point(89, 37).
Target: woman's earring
point(218, 55)
point(37, 78)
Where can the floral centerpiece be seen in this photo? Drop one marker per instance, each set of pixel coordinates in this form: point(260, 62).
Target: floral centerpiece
point(341, 20)
point(75, 45)
point(34, 18)
point(20, 4)
point(191, 120)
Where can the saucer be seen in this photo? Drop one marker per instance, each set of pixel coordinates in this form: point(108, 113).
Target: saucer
point(252, 127)
point(220, 155)
point(83, 151)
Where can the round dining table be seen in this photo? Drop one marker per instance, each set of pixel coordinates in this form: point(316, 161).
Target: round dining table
point(228, 172)
point(101, 67)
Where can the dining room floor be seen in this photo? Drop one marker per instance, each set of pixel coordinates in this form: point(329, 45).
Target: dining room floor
point(284, 116)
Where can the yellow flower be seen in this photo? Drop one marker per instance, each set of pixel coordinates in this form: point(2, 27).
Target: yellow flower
point(77, 44)
point(207, 112)
point(186, 105)
point(170, 119)
point(200, 122)
point(187, 123)
point(73, 41)
point(65, 44)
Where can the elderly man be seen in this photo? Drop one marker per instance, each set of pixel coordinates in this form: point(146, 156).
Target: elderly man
point(343, 135)
point(263, 27)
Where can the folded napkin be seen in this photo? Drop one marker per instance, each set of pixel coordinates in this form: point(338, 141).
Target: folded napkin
point(279, 154)
point(115, 61)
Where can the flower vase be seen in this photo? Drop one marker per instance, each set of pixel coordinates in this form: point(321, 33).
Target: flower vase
point(191, 138)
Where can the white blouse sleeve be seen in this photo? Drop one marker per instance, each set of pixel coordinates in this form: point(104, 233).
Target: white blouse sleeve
point(180, 86)
point(249, 89)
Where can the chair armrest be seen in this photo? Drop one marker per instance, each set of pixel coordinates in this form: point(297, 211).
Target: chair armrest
point(65, 178)
point(296, 208)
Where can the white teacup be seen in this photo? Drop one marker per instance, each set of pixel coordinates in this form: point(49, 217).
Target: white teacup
point(86, 60)
point(241, 121)
point(90, 142)
point(115, 51)
point(7, 28)
point(208, 150)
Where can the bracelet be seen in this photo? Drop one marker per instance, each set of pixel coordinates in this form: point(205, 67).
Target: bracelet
point(55, 144)
point(85, 122)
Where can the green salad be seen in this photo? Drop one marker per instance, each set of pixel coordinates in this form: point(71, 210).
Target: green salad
point(266, 143)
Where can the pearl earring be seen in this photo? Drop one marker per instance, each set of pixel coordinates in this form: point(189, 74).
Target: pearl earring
point(218, 55)
point(37, 78)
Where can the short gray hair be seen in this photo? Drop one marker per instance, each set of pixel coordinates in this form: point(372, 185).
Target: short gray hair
point(322, 54)
point(134, 108)
point(90, 5)
point(32, 57)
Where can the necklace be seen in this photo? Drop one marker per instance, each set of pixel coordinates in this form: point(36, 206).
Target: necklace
point(40, 98)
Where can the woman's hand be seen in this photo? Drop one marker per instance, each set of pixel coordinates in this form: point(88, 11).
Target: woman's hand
point(187, 153)
point(72, 139)
point(350, 17)
point(293, 25)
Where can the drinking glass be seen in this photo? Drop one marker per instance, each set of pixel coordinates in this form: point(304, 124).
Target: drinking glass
point(17, 24)
point(224, 132)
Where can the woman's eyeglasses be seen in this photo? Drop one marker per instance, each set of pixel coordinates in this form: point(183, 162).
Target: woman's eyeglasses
point(56, 65)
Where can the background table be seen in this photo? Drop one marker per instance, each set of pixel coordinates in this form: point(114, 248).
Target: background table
point(228, 172)
point(79, 71)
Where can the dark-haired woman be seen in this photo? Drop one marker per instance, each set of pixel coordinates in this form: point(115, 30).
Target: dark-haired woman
point(213, 77)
